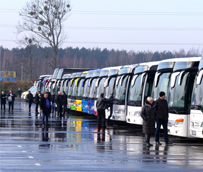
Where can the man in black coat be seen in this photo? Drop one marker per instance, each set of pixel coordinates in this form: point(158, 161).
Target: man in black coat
point(59, 103)
point(30, 100)
point(162, 118)
point(65, 101)
point(19, 93)
point(3, 100)
point(37, 100)
point(101, 105)
point(45, 107)
point(11, 98)
point(53, 102)
point(49, 94)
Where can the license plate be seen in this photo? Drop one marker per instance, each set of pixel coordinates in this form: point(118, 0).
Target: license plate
point(194, 133)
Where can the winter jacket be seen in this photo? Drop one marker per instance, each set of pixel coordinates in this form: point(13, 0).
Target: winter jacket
point(13, 97)
point(30, 97)
point(148, 114)
point(162, 109)
point(65, 99)
point(43, 106)
point(53, 98)
point(37, 98)
point(3, 98)
point(59, 100)
point(101, 103)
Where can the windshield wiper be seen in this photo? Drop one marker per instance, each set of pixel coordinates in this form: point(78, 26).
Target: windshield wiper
point(173, 109)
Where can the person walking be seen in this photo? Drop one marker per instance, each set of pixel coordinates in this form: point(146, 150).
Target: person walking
point(101, 105)
point(45, 107)
point(11, 98)
point(59, 103)
point(19, 93)
point(49, 94)
point(30, 100)
point(37, 100)
point(3, 100)
point(162, 118)
point(53, 102)
point(148, 114)
point(65, 101)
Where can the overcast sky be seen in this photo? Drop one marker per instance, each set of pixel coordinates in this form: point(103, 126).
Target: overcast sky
point(136, 25)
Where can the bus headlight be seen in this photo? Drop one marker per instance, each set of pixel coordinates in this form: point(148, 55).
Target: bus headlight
point(121, 111)
point(137, 113)
point(179, 122)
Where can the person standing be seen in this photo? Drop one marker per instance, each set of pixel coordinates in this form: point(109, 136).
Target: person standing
point(49, 94)
point(19, 93)
point(65, 101)
point(53, 102)
point(37, 99)
point(148, 114)
point(30, 100)
point(162, 118)
point(3, 100)
point(101, 106)
point(11, 98)
point(45, 107)
point(59, 103)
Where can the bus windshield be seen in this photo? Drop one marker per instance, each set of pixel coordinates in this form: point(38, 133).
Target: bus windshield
point(197, 97)
point(93, 88)
point(135, 92)
point(108, 91)
point(80, 88)
point(86, 88)
point(75, 88)
point(163, 85)
point(120, 89)
point(176, 96)
point(100, 88)
point(70, 87)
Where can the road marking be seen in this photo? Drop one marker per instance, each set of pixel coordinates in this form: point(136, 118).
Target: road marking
point(24, 151)
point(30, 157)
point(37, 164)
point(19, 146)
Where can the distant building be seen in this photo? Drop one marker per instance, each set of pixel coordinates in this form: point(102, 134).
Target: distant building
point(7, 76)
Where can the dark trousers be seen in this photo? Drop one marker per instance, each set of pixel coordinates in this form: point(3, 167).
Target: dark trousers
point(3, 105)
point(101, 119)
point(10, 105)
point(147, 138)
point(164, 123)
point(30, 104)
point(36, 107)
point(45, 115)
point(65, 109)
point(59, 110)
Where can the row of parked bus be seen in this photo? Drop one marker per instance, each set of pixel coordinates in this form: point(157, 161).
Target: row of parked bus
point(180, 79)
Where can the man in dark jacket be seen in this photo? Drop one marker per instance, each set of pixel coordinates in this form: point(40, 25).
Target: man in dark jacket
point(30, 100)
point(37, 99)
point(3, 100)
point(49, 94)
point(101, 106)
point(19, 93)
point(53, 102)
point(59, 103)
point(162, 118)
point(11, 98)
point(65, 101)
point(45, 107)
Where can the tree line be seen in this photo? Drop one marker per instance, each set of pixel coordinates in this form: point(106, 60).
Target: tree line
point(32, 61)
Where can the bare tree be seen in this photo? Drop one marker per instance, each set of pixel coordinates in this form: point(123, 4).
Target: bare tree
point(43, 19)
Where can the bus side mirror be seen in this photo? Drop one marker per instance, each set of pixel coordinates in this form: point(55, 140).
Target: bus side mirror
point(173, 78)
point(199, 77)
point(181, 77)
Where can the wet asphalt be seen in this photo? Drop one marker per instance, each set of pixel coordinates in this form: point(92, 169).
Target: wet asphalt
point(74, 144)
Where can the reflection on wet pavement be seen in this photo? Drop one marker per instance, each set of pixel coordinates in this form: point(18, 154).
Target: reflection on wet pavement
point(74, 144)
